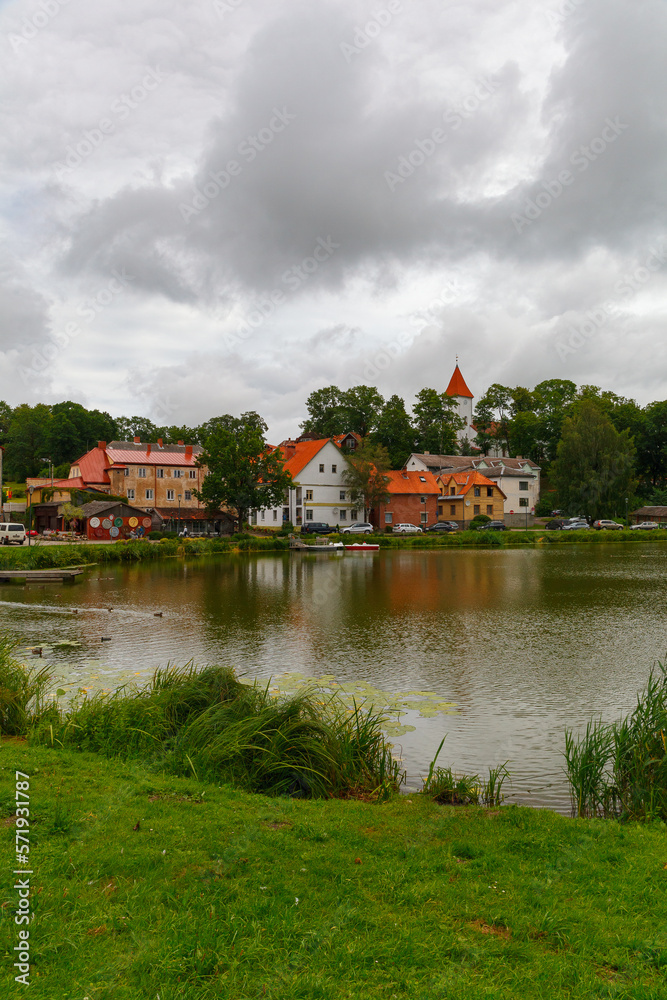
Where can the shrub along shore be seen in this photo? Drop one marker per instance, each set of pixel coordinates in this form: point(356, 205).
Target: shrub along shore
point(156, 872)
point(81, 554)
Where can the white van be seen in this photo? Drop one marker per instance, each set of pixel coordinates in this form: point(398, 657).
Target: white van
point(11, 533)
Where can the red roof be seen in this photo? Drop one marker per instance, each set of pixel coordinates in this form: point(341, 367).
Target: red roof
point(457, 385)
point(120, 456)
point(299, 453)
point(93, 466)
point(411, 482)
point(466, 480)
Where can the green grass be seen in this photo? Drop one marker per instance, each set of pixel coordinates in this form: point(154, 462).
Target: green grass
point(220, 894)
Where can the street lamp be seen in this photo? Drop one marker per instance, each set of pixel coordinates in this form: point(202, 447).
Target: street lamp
point(626, 512)
point(31, 490)
point(50, 461)
point(179, 512)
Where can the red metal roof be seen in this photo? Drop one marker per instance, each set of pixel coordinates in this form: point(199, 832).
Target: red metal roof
point(93, 466)
point(411, 482)
point(457, 385)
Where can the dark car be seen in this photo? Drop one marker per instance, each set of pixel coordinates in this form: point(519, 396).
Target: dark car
point(316, 528)
point(493, 526)
point(554, 525)
point(442, 526)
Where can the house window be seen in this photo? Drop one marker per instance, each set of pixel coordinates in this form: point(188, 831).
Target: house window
point(452, 508)
point(478, 491)
point(523, 485)
point(423, 499)
point(309, 494)
point(343, 515)
point(309, 515)
point(160, 473)
point(130, 494)
point(187, 494)
point(452, 491)
point(341, 494)
point(489, 491)
point(321, 468)
point(476, 508)
point(424, 517)
point(353, 515)
point(422, 479)
point(262, 516)
point(388, 518)
point(127, 471)
point(178, 474)
point(170, 494)
point(523, 501)
point(275, 515)
point(489, 508)
point(193, 473)
point(141, 473)
point(149, 494)
point(333, 468)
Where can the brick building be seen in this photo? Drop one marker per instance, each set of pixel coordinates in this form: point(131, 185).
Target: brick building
point(413, 499)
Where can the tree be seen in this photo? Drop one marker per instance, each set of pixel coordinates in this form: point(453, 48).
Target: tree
point(436, 422)
point(364, 476)
point(498, 400)
point(593, 470)
point(395, 432)
point(71, 513)
point(243, 474)
point(553, 402)
point(141, 427)
point(27, 441)
point(362, 406)
point(483, 420)
point(327, 413)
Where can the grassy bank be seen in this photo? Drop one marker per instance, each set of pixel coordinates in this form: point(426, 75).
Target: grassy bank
point(148, 885)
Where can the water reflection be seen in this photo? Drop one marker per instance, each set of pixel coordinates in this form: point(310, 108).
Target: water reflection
point(523, 642)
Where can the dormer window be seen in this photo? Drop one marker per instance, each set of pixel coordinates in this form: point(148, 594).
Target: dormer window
point(422, 479)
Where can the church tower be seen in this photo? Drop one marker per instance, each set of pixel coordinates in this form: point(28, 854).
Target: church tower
point(459, 390)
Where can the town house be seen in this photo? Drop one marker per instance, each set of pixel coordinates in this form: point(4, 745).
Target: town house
point(413, 498)
point(464, 495)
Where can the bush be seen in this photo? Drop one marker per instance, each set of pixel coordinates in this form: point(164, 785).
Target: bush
point(478, 520)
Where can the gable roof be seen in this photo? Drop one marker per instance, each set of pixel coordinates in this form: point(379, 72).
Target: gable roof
point(401, 481)
point(457, 385)
point(299, 453)
point(465, 481)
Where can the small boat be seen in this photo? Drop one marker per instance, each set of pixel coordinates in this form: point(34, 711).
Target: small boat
point(324, 547)
point(362, 547)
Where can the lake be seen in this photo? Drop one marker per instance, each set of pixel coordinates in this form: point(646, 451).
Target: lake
point(498, 649)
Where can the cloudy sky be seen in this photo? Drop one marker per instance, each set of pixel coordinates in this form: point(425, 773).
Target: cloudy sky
point(217, 206)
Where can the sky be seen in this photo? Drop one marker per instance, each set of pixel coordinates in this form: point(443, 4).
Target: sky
point(221, 206)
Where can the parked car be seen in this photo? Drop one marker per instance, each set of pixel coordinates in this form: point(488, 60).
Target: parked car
point(603, 525)
point(358, 528)
point(442, 526)
point(555, 525)
point(493, 526)
point(10, 532)
point(574, 525)
point(316, 528)
point(556, 513)
point(407, 529)
point(643, 526)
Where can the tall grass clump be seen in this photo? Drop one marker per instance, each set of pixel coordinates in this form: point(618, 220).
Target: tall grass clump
point(23, 691)
point(449, 788)
point(206, 722)
point(620, 769)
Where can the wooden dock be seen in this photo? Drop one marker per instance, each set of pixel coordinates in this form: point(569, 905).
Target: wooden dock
point(39, 575)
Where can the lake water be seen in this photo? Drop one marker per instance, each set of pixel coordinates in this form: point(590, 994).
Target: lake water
point(519, 643)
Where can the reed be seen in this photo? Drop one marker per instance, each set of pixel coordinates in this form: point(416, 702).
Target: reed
point(23, 691)
point(444, 785)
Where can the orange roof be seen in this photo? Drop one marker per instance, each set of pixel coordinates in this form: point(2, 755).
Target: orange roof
point(402, 481)
point(457, 385)
point(93, 466)
point(466, 480)
point(299, 453)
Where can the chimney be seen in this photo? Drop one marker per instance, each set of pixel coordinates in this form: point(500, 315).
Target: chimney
point(137, 440)
point(179, 442)
point(188, 452)
point(288, 449)
point(159, 442)
point(148, 450)
point(426, 453)
point(102, 445)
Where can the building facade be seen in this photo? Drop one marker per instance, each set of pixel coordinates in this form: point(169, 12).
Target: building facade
point(413, 499)
point(464, 495)
point(517, 478)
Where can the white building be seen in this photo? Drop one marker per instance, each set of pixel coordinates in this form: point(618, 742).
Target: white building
point(319, 492)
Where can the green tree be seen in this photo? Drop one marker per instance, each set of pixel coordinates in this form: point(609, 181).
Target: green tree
point(242, 474)
point(483, 418)
point(594, 466)
point(327, 413)
point(553, 402)
point(362, 406)
point(436, 422)
point(27, 441)
point(141, 427)
point(364, 475)
point(395, 432)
